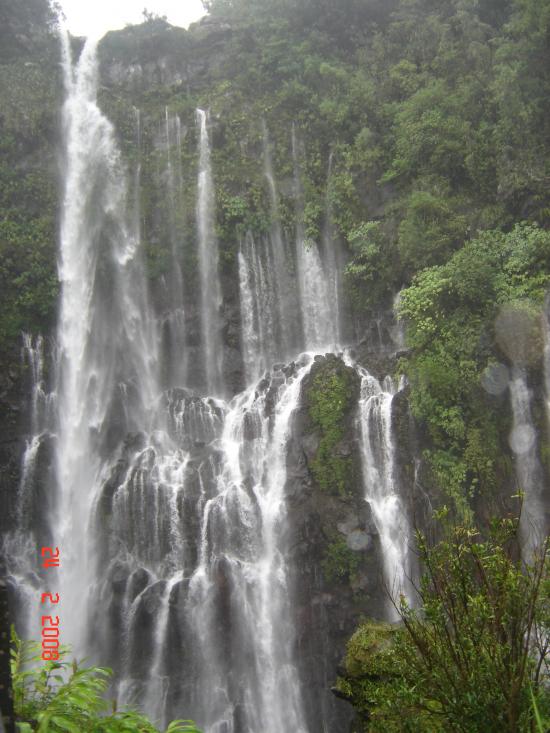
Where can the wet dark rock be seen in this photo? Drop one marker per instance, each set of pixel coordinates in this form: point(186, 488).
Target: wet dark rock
point(143, 627)
point(118, 577)
point(233, 369)
point(139, 580)
point(327, 611)
point(310, 445)
point(13, 427)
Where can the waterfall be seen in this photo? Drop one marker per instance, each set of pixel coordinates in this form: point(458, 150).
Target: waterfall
point(524, 444)
point(216, 619)
point(258, 309)
point(41, 416)
point(289, 331)
point(174, 319)
point(380, 479)
point(170, 508)
point(211, 298)
point(318, 308)
point(102, 372)
point(332, 258)
point(33, 356)
point(250, 496)
point(251, 336)
point(19, 546)
point(284, 308)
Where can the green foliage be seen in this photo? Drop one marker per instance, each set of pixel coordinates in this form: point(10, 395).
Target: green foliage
point(522, 91)
point(430, 133)
point(24, 24)
point(372, 268)
point(486, 298)
point(371, 672)
point(472, 658)
point(457, 99)
point(342, 20)
point(430, 230)
point(340, 563)
point(408, 97)
point(330, 397)
point(60, 697)
point(28, 89)
point(541, 726)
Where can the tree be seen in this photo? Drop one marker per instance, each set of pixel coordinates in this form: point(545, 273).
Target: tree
point(22, 22)
point(150, 17)
point(473, 656)
point(452, 315)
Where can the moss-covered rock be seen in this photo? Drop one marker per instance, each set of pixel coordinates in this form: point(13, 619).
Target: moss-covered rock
point(369, 668)
point(331, 396)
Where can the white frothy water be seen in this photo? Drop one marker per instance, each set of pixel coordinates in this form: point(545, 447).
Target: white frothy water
point(20, 544)
point(290, 299)
point(317, 292)
point(218, 621)
point(382, 492)
point(174, 341)
point(260, 345)
point(42, 414)
point(332, 261)
point(524, 444)
point(93, 359)
point(211, 298)
point(187, 515)
point(280, 259)
point(242, 529)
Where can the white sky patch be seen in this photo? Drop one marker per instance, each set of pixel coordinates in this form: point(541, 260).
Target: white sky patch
point(85, 18)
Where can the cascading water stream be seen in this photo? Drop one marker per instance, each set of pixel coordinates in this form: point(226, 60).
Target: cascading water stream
point(319, 312)
point(217, 621)
point(382, 492)
point(332, 258)
point(258, 310)
point(94, 360)
point(211, 298)
point(175, 516)
point(19, 547)
point(286, 307)
point(524, 444)
point(280, 258)
point(174, 319)
point(42, 412)
point(250, 496)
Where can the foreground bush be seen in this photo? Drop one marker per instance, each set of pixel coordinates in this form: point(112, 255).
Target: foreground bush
point(473, 657)
point(60, 697)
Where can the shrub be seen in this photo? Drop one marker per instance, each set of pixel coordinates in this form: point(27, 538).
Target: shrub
point(61, 697)
point(473, 656)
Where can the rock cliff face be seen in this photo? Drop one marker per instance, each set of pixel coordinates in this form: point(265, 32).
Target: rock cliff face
point(12, 427)
point(157, 55)
point(335, 548)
